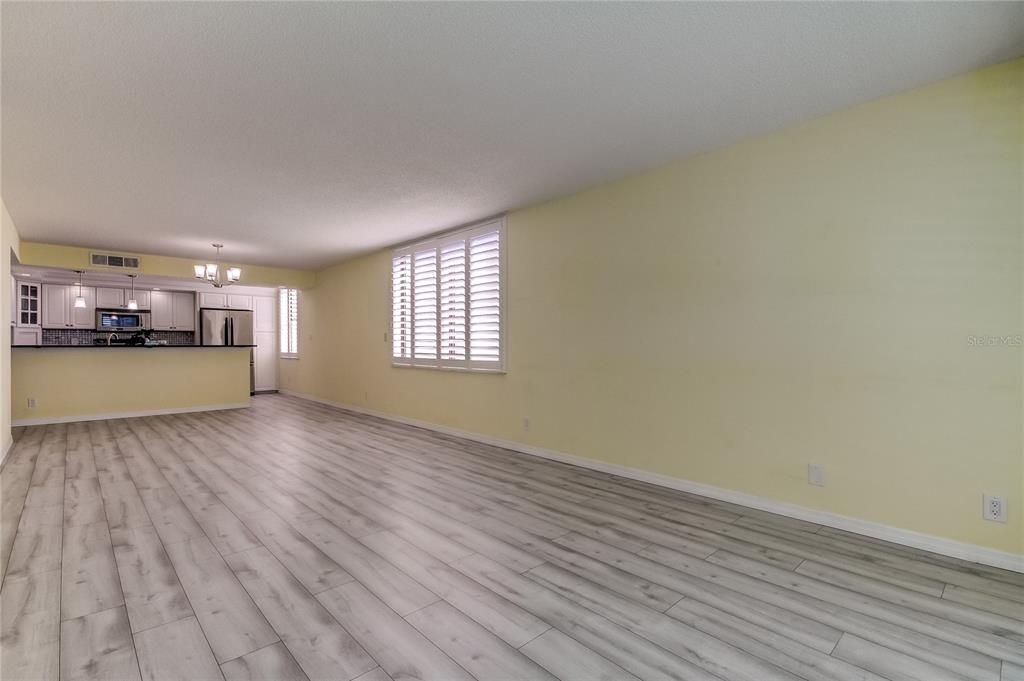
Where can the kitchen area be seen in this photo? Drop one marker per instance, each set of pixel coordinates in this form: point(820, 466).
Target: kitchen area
point(169, 343)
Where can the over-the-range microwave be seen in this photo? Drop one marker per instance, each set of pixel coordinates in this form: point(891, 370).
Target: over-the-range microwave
point(120, 320)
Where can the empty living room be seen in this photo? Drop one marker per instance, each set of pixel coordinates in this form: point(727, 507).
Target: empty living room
point(512, 341)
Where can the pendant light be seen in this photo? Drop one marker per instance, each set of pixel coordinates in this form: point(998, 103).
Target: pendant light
point(211, 272)
point(80, 299)
point(132, 303)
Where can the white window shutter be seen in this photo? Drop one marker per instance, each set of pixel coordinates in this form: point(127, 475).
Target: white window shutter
point(485, 297)
point(293, 321)
point(425, 304)
point(289, 319)
point(446, 300)
point(453, 301)
point(401, 306)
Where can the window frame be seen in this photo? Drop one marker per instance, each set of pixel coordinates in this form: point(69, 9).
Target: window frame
point(439, 241)
point(284, 346)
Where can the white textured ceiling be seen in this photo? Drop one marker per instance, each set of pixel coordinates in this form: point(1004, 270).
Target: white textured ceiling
point(299, 134)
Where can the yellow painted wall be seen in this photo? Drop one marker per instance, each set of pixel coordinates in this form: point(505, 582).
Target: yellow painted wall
point(73, 257)
point(9, 243)
point(806, 296)
point(70, 382)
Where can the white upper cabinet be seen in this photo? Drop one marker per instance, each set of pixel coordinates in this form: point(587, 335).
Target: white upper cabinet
point(172, 311)
point(216, 300)
point(117, 298)
point(225, 301)
point(184, 310)
point(55, 306)
point(110, 298)
point(26, 305)
point(82, 317)
point(239, 302)
point(161, 310)
point(143, 298)
point(59, 311)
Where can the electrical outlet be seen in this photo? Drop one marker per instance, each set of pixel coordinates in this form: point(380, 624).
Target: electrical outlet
point(526, 424)
point(994, 509)
point(815, 475)
point(31, 403)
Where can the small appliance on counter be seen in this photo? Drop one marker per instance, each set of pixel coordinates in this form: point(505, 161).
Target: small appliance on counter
point(145, 338)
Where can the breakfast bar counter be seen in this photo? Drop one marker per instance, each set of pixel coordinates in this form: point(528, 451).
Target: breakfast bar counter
point(59, 383)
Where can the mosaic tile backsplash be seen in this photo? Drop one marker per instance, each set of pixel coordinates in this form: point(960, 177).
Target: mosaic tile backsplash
point(86, 336)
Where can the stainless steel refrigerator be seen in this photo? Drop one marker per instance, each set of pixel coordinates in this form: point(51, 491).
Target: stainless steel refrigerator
point(228, 327)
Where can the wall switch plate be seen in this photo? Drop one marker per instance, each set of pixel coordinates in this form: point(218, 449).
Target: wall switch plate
point(994, 509)
point(526, 424)
point(31, 403)
point(815, 475)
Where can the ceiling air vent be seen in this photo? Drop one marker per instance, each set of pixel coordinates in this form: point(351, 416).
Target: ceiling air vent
point(125, 262)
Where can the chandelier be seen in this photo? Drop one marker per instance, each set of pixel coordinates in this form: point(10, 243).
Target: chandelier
point(212, 272)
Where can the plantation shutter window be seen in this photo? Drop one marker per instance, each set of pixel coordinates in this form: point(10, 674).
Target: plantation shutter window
point(453, 301)
point(485, 297)
point(401, 306)
point(288, 314)
point(447, 301)
point(424, 296)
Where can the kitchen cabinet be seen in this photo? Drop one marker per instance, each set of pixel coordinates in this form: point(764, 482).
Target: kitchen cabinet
point(161, 310)
point(82, 317)
point(264, 325)
point(143, 298)
point(26, 304)
point(239, 302)
point(265, 360)
point(117, 298)
point(59, 311)
point(24, 335)
point(110, 298)
point(225, 301)
point(184, 308)
point(264, 317)
point(215, 300)
point(55, 306)
point(172, 310)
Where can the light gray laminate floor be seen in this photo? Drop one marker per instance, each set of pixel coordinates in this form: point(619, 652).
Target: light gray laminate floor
point(292, 541)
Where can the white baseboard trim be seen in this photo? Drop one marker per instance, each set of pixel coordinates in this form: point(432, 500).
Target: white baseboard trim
point(127, 414)
point(917, 540)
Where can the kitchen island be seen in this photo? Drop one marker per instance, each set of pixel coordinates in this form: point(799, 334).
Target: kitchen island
point(59, 383)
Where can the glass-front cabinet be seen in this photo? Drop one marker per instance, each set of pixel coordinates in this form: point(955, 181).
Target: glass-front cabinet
point(28, 306)
point(26, 313)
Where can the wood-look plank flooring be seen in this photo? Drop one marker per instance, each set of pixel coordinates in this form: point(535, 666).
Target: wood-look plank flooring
point(294, 541)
